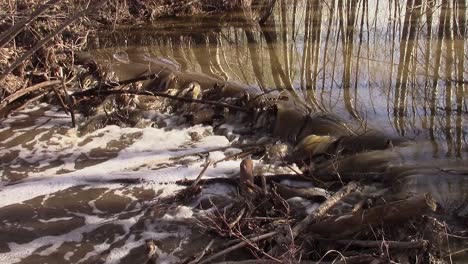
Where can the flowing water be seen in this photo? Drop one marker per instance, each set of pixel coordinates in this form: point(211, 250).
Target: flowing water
point(395, 66)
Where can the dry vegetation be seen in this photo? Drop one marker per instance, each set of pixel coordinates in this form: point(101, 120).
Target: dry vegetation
point(38, 40)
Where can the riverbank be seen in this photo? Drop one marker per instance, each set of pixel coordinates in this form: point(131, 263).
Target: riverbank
point(38, 45)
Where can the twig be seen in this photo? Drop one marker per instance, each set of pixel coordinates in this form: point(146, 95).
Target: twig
point(240, 245)
point(59, 97)
point(238, 218)
point(202, 254)
point(197, 180)
point(46, 39)
point(8, 35)
point(237, 155)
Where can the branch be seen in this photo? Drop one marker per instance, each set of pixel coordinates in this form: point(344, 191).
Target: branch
point(24, 91)
point(159, 94)
point(43, 41)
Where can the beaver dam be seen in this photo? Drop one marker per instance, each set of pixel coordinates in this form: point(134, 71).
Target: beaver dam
point(297, 131)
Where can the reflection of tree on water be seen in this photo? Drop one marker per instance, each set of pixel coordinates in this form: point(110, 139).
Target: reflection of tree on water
point(343, 56)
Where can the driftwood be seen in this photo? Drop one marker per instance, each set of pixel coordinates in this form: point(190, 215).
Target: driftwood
point(8, 111)
point(391, 214)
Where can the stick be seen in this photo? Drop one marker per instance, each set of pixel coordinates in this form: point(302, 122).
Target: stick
point(46, 39)
point(202, 253)
point(21, 107)
point(27, 90)
point(62, 103)
point(8, 35)
point(240, 245)
point(164, 95)
point(214, 149)
point(323, 208)
point(197, 180)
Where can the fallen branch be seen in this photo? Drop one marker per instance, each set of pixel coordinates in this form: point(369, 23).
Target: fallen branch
point(27, 90)
point(6, 112)
point(391, 214)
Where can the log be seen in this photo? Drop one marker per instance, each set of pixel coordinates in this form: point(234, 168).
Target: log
point(389, 214)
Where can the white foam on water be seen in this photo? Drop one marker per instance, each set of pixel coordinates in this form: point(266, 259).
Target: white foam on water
point(150, 148)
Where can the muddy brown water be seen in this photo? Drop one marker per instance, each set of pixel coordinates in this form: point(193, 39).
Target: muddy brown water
point(383, 65)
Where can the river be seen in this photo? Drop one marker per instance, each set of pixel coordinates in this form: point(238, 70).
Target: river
point(395, 66)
